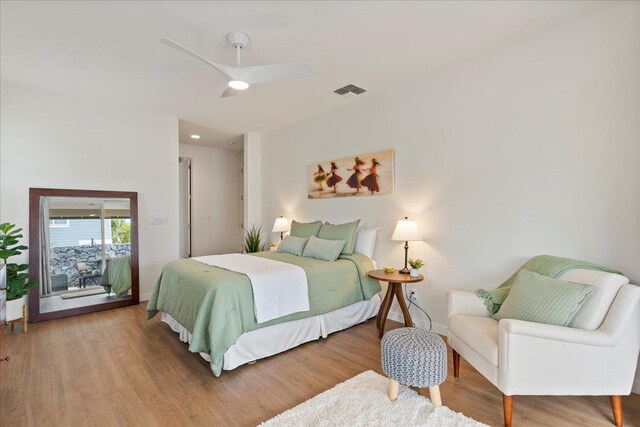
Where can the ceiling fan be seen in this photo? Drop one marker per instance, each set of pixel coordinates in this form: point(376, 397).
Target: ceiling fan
point(242, 77)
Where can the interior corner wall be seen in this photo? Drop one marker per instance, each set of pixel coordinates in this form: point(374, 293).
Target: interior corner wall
point(529, 149)
point(252, 180)
point(52, 141)
point(216, 204)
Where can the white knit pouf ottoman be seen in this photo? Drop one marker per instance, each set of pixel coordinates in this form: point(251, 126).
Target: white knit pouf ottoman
point(414, 357)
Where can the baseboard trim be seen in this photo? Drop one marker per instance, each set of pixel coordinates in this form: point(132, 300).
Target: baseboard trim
point(420, 321)
point(145, 296)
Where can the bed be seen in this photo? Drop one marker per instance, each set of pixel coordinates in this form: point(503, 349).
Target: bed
point(212, 308)
point(117, 274)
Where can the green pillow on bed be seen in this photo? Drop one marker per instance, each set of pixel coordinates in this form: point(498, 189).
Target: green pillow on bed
point(326, 250)
point(293, 245)
point(305, 229)
point(347, 232)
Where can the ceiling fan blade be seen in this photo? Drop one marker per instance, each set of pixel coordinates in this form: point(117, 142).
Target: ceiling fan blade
point(254, 74)
point(227, 70)
point(231, 92)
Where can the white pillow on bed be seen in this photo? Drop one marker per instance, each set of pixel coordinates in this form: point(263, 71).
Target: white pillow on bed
point(366, 240)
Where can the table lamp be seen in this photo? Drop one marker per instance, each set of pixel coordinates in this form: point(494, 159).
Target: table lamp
point(406, 230)
point(280, 226)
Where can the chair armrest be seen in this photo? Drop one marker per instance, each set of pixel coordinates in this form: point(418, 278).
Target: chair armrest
point(465, 302)
point(555, 333)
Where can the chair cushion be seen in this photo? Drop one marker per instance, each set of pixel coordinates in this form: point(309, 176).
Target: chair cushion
point(541, 299)
point(479, 333)
point(596, 307)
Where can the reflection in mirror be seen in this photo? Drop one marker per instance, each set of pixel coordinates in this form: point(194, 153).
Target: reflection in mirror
point(85, 252)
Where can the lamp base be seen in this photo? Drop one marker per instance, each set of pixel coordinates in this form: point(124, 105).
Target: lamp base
point(404, 271)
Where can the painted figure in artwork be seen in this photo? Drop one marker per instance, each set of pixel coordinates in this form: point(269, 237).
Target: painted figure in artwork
point(371, 181)
point(355, 180)
point(320, 177)
point(334, 178)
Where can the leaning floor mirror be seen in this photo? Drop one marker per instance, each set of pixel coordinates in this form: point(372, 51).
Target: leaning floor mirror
point(83, 249)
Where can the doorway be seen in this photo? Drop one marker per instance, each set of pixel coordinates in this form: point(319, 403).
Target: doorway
point(184, 213)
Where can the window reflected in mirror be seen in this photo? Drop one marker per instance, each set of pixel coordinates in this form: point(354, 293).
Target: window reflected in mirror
point(85, 252)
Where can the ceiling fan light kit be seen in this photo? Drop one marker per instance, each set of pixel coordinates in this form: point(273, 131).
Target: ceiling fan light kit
point(240, 77)
point(238, 85)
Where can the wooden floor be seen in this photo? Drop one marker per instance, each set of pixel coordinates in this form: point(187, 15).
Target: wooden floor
point(116, 368)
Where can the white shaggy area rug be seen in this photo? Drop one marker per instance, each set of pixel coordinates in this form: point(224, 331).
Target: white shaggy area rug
point(362, 401)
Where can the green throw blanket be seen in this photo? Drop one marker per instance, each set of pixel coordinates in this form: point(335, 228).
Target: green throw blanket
point(546, 265)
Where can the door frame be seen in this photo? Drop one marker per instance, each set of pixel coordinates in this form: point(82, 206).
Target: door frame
point(189, 203)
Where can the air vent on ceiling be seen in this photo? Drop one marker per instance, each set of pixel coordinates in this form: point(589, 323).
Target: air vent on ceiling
point(349, 88)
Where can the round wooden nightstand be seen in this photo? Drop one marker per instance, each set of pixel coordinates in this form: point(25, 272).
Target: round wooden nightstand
point(395, 281)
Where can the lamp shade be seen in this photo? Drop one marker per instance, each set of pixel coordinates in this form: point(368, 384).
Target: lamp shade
point(281, 225)
point(406, 231)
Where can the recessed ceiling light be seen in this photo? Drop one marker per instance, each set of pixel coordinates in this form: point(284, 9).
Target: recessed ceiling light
point(231, 143)
point(238, 85)
point(194, 136)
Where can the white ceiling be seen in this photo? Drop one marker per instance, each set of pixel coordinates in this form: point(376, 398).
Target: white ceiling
point(111, 51)
point(209, 136)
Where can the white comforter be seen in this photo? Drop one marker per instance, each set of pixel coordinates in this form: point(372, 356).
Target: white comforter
point(279, 288)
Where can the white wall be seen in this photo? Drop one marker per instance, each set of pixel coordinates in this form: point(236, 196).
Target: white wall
point(55, 142)
point(217, 187)
point(252, 181)
point(532, 149)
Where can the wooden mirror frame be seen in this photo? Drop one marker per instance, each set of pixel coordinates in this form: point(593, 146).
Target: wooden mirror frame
point(34, 252)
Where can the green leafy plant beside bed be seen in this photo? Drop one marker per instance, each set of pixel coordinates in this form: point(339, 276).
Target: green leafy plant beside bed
point(253, 240)
point(18, 283)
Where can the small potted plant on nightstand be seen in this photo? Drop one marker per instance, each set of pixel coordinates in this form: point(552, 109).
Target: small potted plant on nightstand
point(416, 265)
point(18, 283)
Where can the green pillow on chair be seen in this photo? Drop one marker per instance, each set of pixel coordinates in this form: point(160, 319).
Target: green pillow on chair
point(543, 299)
point(347, 232)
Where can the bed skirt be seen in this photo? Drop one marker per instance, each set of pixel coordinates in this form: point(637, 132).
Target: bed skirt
point(275, 339)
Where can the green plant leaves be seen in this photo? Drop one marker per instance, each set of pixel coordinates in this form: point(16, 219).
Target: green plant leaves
point(5, 227)
point(253, 240)
point(18, 283)
point(416, 263)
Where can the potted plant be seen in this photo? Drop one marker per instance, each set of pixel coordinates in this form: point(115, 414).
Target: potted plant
point(253, 240)
point(18, 283)
point(415, 264)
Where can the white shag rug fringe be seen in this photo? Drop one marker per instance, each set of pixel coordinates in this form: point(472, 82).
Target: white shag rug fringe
point(362, 401)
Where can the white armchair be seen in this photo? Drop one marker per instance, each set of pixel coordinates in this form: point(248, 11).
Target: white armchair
point(596, 355)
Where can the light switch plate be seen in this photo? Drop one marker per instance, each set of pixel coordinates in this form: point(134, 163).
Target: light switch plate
point(155, 220)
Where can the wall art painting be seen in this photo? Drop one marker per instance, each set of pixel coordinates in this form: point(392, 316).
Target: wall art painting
point(363, 175)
